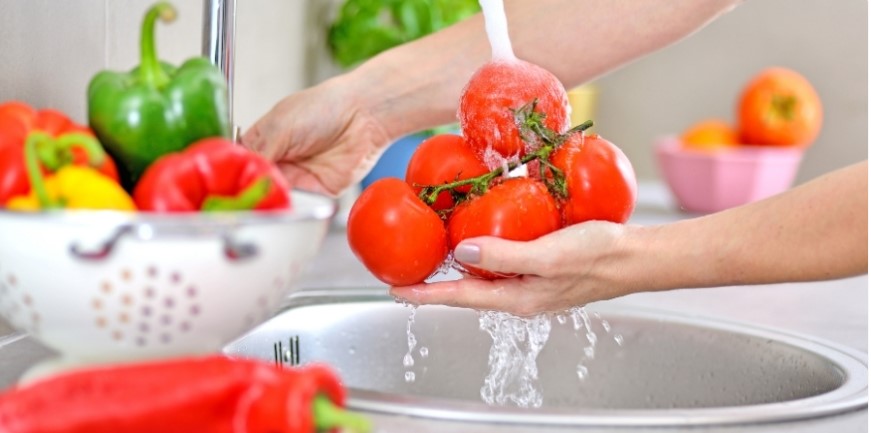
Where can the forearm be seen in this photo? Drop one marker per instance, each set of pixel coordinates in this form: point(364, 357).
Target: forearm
point(418, 85)
point(816, 231)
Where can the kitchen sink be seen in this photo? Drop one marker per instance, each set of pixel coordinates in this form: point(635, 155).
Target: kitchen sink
point(649, 368)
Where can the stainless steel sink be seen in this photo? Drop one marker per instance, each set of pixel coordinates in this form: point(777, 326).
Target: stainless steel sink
point(670, 370)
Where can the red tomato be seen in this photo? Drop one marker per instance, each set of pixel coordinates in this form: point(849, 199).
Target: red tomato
point(497, 88)
point(600, 180)
point(442, 159)
point(519, 209)
point(395, 234)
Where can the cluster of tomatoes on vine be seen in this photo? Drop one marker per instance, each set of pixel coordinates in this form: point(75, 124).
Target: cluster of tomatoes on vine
point(458, 187)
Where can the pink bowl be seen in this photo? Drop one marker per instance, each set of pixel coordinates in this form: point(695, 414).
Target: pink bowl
point(712, 181)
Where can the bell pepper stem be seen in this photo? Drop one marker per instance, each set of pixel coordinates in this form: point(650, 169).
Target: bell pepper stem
point(150, 70)
point(34, 170)
point(246, 200)
point(328, 416)
point(96, 154)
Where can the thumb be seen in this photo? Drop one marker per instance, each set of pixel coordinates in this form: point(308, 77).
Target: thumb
point(501, 255)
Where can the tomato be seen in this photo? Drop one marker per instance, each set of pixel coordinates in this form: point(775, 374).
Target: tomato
point(779, 107)
point(497, 88)
point(442, 159)
point(395, 234)
point(599, 178)
point(519, 209)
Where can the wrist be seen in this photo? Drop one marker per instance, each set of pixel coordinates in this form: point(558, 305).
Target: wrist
point(397, 96)
point(655, 258)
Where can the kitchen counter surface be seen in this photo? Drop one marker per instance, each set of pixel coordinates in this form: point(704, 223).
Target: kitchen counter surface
point(834, 310)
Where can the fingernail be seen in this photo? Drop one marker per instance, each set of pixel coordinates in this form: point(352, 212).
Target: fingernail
point(468, 253)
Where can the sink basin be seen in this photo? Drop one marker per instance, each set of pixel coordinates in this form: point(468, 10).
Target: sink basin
point(649, 368)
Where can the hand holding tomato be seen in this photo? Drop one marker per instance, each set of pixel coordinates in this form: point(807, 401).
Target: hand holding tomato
point(563, 269)
point(519, 209)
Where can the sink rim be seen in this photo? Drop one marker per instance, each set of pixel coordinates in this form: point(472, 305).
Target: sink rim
point(851, 395)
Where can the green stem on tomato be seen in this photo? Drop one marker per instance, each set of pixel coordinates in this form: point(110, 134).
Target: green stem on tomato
point(150, 70)
point(328, 416)
point(429, 193)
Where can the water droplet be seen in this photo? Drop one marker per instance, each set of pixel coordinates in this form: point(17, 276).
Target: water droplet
point(408, 360)
point(409, 376)
point(606, 326)
point(590, 352)
point(352, 350)
point(424, 352)
point(561, 318)
point(582, 371)
point(619, 339)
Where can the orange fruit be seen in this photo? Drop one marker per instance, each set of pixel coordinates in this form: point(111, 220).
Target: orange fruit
point(779, 107)
point(710, 134)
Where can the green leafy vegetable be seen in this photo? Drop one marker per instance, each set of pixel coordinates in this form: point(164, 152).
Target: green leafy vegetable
point(365, 28)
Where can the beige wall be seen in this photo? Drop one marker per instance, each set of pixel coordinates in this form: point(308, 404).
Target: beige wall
point(50, 48)
point(826, 40)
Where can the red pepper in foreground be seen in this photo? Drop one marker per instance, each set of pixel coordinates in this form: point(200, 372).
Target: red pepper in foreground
point(212, 175)
point(205, 395)
point(17, 121)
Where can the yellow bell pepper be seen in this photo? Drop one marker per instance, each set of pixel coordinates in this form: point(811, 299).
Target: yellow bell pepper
point(70, 187)
point(76, 187)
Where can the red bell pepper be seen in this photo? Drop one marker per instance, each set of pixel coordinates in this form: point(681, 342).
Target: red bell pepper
point(17, 121)
point(212, 394)
point(212, 174)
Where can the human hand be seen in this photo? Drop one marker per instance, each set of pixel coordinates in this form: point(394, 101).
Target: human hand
point(570, 267)
point(323, 138)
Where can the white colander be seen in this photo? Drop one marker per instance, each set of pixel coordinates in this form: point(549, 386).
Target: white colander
point(103, 287)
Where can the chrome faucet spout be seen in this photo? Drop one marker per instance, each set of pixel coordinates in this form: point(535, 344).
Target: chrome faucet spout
point(219, 40)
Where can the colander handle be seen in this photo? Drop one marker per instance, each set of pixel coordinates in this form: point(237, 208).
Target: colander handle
point(233, 249)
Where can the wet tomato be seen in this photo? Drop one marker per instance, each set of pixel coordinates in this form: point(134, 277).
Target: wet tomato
point(519, 209)
point(488, 102)
point(779, 107)
point(396, 235)
point(599, 178)
point(441, 159)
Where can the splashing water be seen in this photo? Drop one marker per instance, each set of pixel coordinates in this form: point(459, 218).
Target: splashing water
point(408, 359)
point(581, 321)
point(512, 361)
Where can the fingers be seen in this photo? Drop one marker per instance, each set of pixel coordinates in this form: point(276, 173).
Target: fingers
point(253, 139)
point(507, 295)
point(503, 256)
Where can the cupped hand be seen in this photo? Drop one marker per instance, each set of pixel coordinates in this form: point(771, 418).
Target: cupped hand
point(322, 138)
point(567, 268)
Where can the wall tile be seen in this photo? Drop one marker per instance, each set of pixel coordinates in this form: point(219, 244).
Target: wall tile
point(270, 54)
point(49, 50)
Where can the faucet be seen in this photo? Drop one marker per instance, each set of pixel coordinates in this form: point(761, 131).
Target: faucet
point(219, 40)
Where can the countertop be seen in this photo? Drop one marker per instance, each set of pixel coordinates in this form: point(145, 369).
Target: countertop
point(833, 310)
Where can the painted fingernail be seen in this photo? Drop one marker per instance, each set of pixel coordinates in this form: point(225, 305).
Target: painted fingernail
point(468, 253)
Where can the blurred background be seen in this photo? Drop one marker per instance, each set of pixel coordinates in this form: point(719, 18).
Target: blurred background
point(49, 49)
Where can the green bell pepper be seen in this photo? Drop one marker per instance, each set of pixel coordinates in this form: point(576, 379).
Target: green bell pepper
point(156, 108)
